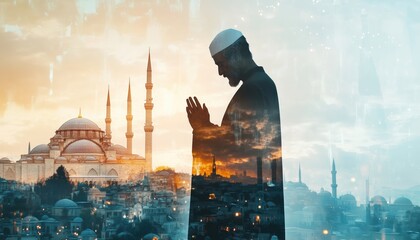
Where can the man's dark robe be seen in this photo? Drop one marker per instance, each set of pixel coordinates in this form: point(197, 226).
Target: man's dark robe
point(245, 149)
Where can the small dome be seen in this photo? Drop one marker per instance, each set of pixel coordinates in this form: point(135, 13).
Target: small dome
point(5, 160)
point(30, 219)
point(83, 146)
point(40, 149)
point(39, 158)
point(379, 200)
point(62, 158)
point(151, 236)
point(119, 149)
point(348, 199)
point(44, 217)
point(88, 233)
point(79, 124)
point(77, 220)
point(65, 203)
point(125, 236)
point(403, 201)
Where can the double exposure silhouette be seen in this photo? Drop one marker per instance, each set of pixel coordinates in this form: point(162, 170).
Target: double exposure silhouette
point(237, 188)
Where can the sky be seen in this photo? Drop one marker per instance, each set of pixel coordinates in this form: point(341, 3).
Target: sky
point(346, 73)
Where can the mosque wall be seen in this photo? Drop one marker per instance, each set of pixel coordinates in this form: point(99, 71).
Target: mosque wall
point(34, 172)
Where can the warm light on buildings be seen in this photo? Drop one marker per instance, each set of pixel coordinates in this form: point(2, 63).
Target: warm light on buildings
point(212, 196)
point(325, 232)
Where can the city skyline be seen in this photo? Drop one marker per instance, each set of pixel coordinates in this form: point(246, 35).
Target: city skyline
point(347, 80)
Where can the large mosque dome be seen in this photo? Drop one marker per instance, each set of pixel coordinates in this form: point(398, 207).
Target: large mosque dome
point(65, 203)
point(403, 201)
point(40, 149)
point(79, 123)
point(83, 146)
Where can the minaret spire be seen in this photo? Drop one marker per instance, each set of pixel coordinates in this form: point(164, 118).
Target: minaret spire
point(80, 113)
point(148, 106)
point(129, 134)
point(213, 172)
point(334, 180)
point(29, 147)
point(300, 174)
point(108, 117)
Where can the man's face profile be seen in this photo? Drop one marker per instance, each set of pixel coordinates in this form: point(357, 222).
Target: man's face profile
point(226, 68)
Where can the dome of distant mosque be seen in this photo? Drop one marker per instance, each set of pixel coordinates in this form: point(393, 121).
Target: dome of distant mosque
point(348, 198)
point(82, 146)
point(40, 149)
point(403, 201)
point(65, 203)
point(379, 200)
point(77, 220)
point(125, 236)
point(151, 236)
point(88, 233)
point(79, 123)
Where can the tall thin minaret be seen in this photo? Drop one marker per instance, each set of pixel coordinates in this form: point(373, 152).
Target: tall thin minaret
point(29, 147)
point(129, 134)
point(108, 117)
point(367, 191)
point(148, 127)
point(300, 175)
point(334, 180)
point(213, 172)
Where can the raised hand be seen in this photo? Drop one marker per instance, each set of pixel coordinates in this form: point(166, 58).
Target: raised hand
point(198, 115)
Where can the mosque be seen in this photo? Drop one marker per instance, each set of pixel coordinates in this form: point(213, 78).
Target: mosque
point(86, 151)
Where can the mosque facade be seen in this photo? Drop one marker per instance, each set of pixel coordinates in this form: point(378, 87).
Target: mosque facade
point(86, 151)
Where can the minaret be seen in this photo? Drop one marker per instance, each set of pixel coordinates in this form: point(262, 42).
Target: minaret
point(368, 215)
point(259, 171)
point(213, 173)
point(108, 117)
point(300, 175)
point(29, 147)
point(367, 191)
point(274, 171)
point(148, 127)
point(334, 181)
point(129, 134)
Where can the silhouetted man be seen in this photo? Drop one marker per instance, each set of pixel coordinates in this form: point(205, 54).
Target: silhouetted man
point(247, 147)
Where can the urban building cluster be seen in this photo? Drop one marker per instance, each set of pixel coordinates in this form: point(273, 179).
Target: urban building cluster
point(230, 206)
point(154, 208)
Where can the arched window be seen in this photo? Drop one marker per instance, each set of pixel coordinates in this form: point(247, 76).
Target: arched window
point(112, 172)
point(72, 172)
point(10, 174)
point(92, 172)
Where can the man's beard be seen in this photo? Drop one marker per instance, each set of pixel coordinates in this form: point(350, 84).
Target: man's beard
point(234, 82)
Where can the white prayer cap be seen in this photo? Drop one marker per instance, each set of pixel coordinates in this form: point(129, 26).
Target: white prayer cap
point(223, 40)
